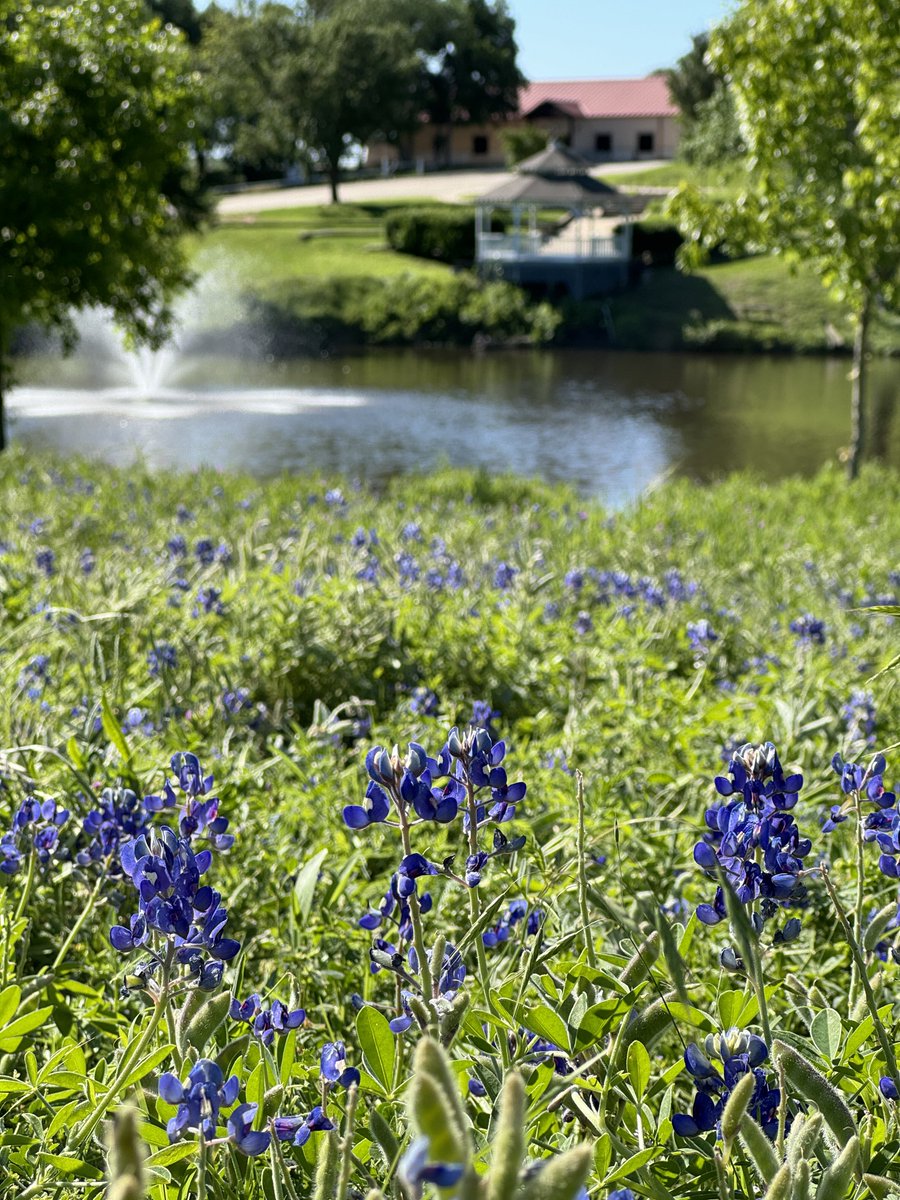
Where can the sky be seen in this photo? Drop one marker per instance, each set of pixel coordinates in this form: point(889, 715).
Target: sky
point(596, 39)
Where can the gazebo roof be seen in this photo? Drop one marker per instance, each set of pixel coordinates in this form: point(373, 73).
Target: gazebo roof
point(557, 178)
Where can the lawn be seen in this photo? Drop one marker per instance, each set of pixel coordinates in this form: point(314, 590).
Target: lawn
point(294, 963)
point(760, 303)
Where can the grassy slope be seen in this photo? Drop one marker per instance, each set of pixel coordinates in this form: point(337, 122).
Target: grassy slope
point(758, 301)
point(751, 304)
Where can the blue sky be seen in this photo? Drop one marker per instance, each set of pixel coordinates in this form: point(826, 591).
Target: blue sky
point(584, 39)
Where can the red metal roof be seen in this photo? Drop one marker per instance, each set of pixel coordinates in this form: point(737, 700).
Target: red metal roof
point(647, 97)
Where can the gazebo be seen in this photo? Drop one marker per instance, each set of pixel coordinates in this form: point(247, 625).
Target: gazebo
point(587, 252)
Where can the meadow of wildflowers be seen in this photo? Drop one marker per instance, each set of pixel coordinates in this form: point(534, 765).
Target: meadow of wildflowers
point(459, 839)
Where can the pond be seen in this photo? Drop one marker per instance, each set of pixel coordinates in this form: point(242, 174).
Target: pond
point(611, 423)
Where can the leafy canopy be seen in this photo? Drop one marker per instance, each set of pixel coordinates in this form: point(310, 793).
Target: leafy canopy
point(95, 114)
point(817, 88)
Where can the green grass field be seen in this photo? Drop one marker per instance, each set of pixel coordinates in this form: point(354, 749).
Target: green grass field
point(221, 887)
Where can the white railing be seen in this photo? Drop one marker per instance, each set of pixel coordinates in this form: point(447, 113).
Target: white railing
point(522, 246)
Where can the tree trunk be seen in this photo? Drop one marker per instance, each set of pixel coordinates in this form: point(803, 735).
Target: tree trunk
point(334, 178)
point(858, 392)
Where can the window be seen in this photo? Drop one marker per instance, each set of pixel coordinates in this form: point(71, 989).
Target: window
point(480, 144)
point(603, 143)
point(645, 142)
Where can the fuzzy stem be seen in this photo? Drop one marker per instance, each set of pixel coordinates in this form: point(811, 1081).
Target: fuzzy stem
point(582, 875)
point(484, 971)
point(887, 1048)
point(79, 924)
point(415, 915)
point(860, 895)
point(132, 1054)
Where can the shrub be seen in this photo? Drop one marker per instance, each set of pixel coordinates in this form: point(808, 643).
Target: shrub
point(656, 241)
point(446, 234)
point(522, 143)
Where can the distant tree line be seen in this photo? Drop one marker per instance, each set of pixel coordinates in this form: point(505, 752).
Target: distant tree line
point(284, 85)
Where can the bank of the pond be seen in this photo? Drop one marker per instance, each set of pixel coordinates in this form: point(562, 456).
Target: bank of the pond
point(325, 279)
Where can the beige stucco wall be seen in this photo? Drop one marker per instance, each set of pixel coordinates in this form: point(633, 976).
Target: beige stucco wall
point(624, 132)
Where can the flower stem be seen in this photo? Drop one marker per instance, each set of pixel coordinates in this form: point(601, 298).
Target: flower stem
point(79, 924)
point(582, 875)
point(860, 895)
point(887, 1048)
point(415, 915)
point(484, 973)
point(201, 1168)
point(132, 1054)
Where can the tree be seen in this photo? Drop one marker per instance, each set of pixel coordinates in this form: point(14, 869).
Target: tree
point(468, 71)
point(250, 102)
point(817, 89)
point(356, 78)
point(692, 81)
point(95, 105)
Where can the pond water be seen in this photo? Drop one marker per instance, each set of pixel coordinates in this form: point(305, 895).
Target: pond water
point(611, 423)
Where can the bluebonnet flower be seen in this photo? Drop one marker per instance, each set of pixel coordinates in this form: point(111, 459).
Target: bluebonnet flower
point(177, 546)
point(266, 1022)
point(205, 552)
point(583, 623)
point(87, 561)
point(475, 1087)
point(504, 576)
point(236, 701)
point(298, 1129)
point(411, 532)
point(120, 816)
point(701, 634)
point(334, 498)
point(208, 600)
point(200, 811)
point(45, 560)
point(808, 629)
point(739, 1053)
point(754, 823)
point(453, 969)
point(333, 1066)
point(407, 783)
point(184, 514)
point(248, 1140)
point(518, 910)
point(416, 1169)
point(163, 657)
point(176, 905)
point(866, 785)
point(424, 702)
point(888, 1088)
point(199, 1099)
point(35, 826)
point(859, 717)
point(484, 715)
point(574, 580)
point(620, 1194)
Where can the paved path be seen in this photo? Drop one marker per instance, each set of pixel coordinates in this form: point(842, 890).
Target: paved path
point(451, 186)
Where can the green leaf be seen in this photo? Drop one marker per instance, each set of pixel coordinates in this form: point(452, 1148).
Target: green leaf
point(9, 1002)
point(377, 1044)
point(826, 1031)
point(147, 1064)
point(638, 1064)
point(630, 1165)
point(305, 885)
point(12, 1034)
point(113, 730)
point(8, 1085)
point(256, 1084)
point(67, 1163)
point(172, 1154)
point(545, 1023)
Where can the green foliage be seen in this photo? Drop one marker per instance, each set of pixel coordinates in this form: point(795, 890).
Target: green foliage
point(402, 310)
point(693, 81)
point(319, 649)
point(715, 135)
point(521, 143)
point(446, 234)
point(95, 109)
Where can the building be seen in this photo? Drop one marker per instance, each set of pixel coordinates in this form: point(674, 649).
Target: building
point(603, 120)
point(567, 233)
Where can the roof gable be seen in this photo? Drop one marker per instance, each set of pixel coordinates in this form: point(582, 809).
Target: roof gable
point(648, 97)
